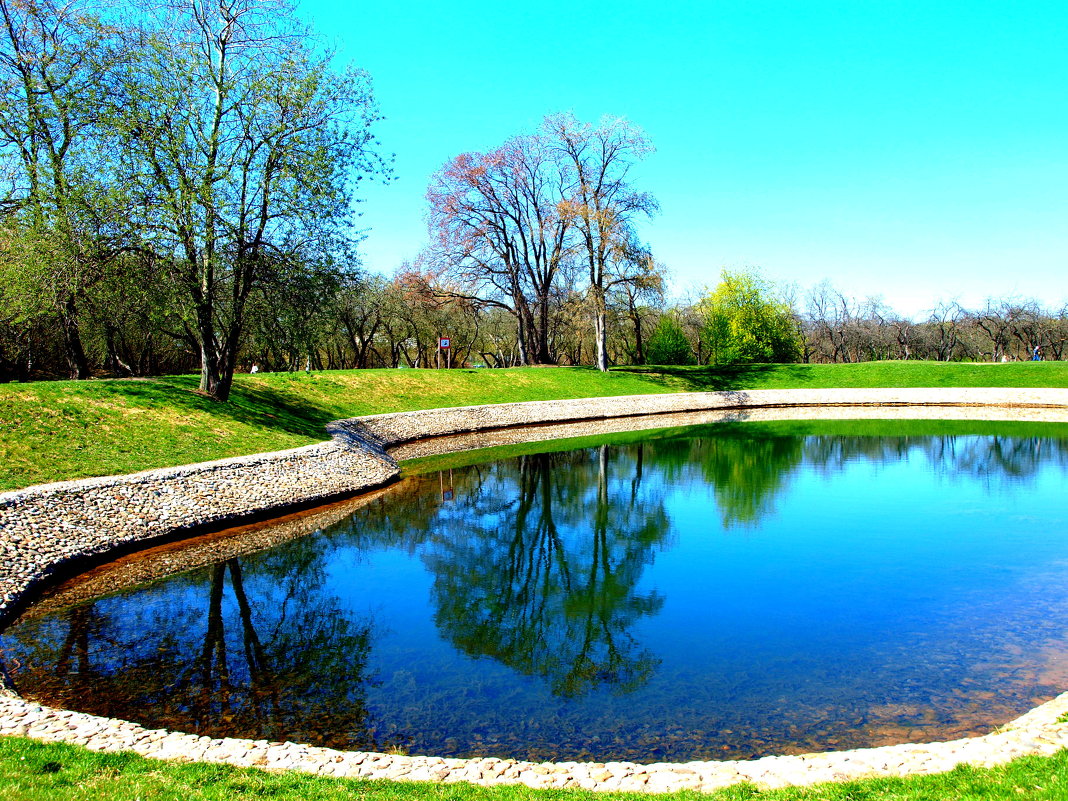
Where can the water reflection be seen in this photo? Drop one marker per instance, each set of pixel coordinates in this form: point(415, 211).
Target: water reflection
point(246, 648)
point(598, 603)
point(748, 469)
point(515, 580)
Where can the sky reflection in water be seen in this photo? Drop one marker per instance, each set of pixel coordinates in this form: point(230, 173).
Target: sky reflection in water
point(727, 592)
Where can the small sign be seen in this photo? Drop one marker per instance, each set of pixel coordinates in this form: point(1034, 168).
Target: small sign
point(444, 343)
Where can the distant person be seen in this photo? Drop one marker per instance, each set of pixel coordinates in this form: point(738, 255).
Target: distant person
point(255, 369)
point(1037, 355)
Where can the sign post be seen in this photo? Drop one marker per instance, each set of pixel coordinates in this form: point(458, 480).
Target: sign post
point(445, 344)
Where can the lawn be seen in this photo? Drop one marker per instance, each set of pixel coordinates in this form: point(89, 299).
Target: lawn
point(55, 430)
point(33, 771)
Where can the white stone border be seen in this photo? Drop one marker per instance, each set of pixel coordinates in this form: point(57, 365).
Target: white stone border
point(47, 528)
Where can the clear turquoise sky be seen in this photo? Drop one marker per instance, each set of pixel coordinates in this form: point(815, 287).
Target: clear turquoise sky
point(913, 150)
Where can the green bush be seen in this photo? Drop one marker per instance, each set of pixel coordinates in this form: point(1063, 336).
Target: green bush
point(668, 344)
point(744, 323)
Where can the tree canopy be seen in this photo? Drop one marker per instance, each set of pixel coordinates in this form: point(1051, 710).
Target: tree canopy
point(543, 224)
point(210, 148)
point(745, 323)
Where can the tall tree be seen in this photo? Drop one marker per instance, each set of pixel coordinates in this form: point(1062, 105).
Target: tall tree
point(497, 232)
point(641, 301)
point(59, 232)
point(604, 207)
point(241, 146)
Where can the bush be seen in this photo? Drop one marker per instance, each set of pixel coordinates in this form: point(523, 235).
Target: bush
point(746, 324)
point(668, 344)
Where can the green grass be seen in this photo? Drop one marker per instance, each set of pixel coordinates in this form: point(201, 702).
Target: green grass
point(33, 771)
point(56, 430)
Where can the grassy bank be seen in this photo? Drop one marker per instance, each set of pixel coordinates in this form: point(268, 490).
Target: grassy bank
point(55, 430)
point(32, 771)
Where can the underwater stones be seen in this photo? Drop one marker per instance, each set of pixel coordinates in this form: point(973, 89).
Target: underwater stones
point(1042, 732)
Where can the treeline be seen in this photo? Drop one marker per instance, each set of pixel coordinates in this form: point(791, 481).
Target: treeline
point(840, 329)
point(376, 321)
point(179, 189)
point(177, 173)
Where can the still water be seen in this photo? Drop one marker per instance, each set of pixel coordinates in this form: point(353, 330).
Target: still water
point(719, 592)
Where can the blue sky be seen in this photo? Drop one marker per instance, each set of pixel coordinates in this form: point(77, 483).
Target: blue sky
point(916, 151)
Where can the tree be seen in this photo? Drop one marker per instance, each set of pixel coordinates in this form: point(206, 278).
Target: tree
point(60, 231)
point(668, 343)
point(829, 314)
point(497, 232)
point(946, 324)
point(604, 207)
point(513, 228)
point(241, 145)
point(745, 323)
point(996, 321)
point(641, 299)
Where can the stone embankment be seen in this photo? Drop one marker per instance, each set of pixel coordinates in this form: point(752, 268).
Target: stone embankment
point(389, 430)
point(50, 529)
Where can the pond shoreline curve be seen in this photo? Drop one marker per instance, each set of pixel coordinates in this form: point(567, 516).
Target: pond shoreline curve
point(51, 530)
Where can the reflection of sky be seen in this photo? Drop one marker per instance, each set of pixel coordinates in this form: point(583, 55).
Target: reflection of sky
point(851, 564)
point(871, 549)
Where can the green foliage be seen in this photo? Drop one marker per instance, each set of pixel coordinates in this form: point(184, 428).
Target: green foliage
point(213, 154)
point(263, 209)
point(668, 344)
point(746, 324)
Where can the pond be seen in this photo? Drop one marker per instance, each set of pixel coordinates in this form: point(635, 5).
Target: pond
point(716, 592)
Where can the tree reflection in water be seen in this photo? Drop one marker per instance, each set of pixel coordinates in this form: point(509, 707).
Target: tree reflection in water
point(289, 662)
point(536, 568)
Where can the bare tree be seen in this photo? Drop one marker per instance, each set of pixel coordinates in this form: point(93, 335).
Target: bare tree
point(497, 233)
point(604, 207)
point(996, 321)
point(829, 314)
point(946, 323)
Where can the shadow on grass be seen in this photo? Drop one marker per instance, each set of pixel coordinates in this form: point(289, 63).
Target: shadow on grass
point(727, 377)
point(262, 406)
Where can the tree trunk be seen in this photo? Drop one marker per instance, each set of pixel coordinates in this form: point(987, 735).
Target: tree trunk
point(639, 349)
point(72, 340)
point(216, 371)
point(600, 329)
point(521, 339)
point(544, 355)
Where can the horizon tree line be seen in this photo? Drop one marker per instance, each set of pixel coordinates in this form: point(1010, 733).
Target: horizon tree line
point(178, 194)
point(389, 322)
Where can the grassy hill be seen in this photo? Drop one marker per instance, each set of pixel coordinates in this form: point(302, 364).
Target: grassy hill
point(55, 430)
